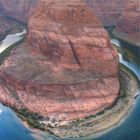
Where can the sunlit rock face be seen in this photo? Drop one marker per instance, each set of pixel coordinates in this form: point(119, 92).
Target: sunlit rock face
point(66, 69)
point(129, 21)
point(107, 11)
point(17, 9)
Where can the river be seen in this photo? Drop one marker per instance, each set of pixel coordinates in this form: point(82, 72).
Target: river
point(10, 40)
point(12, 128)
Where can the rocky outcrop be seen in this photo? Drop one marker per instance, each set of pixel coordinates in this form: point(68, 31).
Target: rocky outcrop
point(18, 9)
point(107, 11)
point(66, 69)
point(128, 25)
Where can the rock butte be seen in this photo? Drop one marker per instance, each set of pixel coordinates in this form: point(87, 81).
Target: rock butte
point(66, 69)
point(129, 21)
point(107, 11)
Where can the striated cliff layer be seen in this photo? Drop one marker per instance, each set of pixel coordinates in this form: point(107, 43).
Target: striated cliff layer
point(66, 69)
point(18, 9)
point(129, 23)
point(107, 11)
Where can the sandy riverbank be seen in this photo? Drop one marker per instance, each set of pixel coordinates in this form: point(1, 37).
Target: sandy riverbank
point(93, 125)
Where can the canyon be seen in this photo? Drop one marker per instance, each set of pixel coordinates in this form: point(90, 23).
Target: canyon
point(107, 11)
point(5, 26)
point(19, 10)
point(128, 24)
point(14, 13)
point(64, 77)
point(64, 69)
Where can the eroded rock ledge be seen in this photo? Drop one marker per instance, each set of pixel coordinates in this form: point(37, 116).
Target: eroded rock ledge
point(66, 69)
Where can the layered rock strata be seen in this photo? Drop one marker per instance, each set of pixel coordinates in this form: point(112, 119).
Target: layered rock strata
point(128, 25)
point(66, 69)
point(20, 10)
point(12, 12)
point(107, 11)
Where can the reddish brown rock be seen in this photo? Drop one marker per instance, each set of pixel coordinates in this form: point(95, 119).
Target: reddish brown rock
point(107, 11)
point(18, 9)
point(67, 68)
point(129, 22)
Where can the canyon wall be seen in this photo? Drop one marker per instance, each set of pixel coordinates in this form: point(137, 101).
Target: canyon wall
point(129, 22)
point(14, 11)
point(5, 26)
point(17, 9)
point(107, 11)
point(66, 69)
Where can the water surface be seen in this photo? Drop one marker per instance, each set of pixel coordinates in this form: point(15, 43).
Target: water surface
point(10, 40)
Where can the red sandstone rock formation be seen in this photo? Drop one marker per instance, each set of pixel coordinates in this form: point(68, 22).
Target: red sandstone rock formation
point(129, 22)
point(107, 11)
point(67, 68)
point(18, 9)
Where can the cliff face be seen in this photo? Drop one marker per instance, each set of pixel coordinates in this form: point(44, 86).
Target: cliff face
point(5, 26)
point(66, 69)
point(129, 21)
point(17, 9)
point(107, 11)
